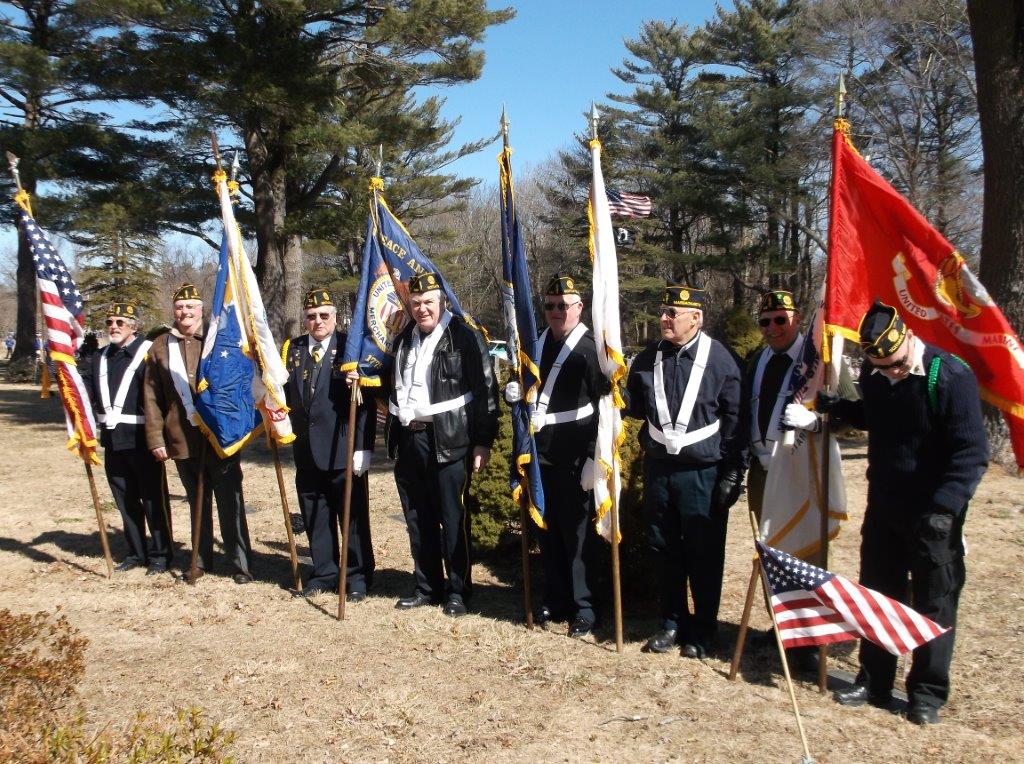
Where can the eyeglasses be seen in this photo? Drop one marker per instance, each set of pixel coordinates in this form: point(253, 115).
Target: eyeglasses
point(323, 316)
point(115, 322)
point(550, 306)
point(764, 323)
point(673, 312)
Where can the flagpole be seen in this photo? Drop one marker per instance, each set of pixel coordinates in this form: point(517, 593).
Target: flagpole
point(165, 501)
point(355, 399)
point(22, 195)
point(614, 509)
point(782, 651)
point(194, 573)
point(524, 492)
point(826, 429)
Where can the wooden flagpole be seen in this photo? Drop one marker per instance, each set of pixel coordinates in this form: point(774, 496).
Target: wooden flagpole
point(355, 398)
point(194, 573)
point(165, 500)
point(748, 604)
point(524, 496)
point(99, 518)
point(614, 510)
point(782, 651)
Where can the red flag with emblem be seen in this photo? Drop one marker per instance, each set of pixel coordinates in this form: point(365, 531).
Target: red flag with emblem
point(880, 246)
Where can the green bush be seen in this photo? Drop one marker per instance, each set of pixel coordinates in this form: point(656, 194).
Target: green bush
point(740, 332)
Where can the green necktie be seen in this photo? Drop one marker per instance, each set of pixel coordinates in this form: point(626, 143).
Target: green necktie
point(318, 353)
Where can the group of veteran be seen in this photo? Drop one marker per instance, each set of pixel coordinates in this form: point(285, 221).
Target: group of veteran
point(707, 426)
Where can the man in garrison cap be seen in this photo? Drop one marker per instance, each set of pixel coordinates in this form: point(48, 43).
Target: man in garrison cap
point(318, 397)
point(443, 418)
point(169, 395)
point(686, 388)
point(927, 451)
point(113, 378)
point(565, 427)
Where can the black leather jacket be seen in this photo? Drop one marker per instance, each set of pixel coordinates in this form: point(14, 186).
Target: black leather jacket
point(460, 365)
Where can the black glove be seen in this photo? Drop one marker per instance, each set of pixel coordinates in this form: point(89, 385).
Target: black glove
point(824, 402)
point(727, 491)
point(935, 537)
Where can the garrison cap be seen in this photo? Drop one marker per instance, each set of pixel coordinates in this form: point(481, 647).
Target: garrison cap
point(778, 299)
point(882, 331)
point(424, 282)
point(682, 296)
point(317, 298)
point(186, 292)
point(561, 285)
point(123, 310)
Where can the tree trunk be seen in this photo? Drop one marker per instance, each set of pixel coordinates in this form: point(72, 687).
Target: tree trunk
point(25, 332)
point(279, 254)
point(997, 29)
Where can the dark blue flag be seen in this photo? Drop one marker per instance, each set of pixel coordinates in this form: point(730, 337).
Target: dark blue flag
point(225, 403)
point(520, 327)
point(390, 259)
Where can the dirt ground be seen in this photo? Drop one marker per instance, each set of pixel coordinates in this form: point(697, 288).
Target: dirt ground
point(297, 685)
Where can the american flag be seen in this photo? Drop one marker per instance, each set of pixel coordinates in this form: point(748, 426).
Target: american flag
point(815, 607)
point(63, 311)
point(623, 205)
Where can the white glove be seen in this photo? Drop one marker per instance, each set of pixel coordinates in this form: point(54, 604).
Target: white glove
point(800, 418)
point(361, 462)
point(513, 393)
point(587, 476)
point(406, 415)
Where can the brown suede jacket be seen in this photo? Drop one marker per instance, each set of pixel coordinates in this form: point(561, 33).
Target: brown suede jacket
point(167, 424)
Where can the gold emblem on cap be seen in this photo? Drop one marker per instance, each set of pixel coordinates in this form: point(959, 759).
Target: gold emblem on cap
point(568, 284)
point(786, 300)
point(893, 335)
point(684, 295)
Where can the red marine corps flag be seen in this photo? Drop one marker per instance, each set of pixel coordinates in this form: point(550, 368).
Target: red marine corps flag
point(881, 247)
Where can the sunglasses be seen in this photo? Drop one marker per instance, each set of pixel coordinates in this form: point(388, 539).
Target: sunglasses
point(777, 320)
point(115, 322)
point(673, 312)
point(897, 365)
point(323, 316)
point(549, 306)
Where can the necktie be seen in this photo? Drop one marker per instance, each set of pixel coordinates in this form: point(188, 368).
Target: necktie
point(317, 353)
point(771, 383)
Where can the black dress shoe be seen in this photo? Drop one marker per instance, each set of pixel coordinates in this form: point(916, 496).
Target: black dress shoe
point(242, 578)
point(859, 694)
point(128, 564)
point(156, 568)
point(922, 714)
point(357, 596)
point(694, 650)
point(311, 590)
point(454, 607)
point(416, 600)
point(543, 615)
point(581, 627)
point(661, 642)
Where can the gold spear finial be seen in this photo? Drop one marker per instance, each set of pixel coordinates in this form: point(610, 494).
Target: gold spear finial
point(841, 96)
point(13, 161)
point(380, 159)
point(593, 121)
point(235, 165)
point(504, 126)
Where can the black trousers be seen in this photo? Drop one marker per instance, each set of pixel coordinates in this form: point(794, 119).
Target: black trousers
point(136, 484)
point(688, 540)
point(321, 500)
point(567, 546)
point(433, 501)
point(889, 556)
point(222, 478)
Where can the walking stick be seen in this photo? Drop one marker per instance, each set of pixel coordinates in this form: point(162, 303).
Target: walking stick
point(782, 651)
point(197, 516)
point(826, 458)
point(616, 582)
point(524, 500)
point(355, 398)
point(166, 501)
point(99, 520)
point(741, 638)
point(276, 451)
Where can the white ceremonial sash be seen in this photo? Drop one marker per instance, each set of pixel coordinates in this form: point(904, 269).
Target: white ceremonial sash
point(412, 393)
point(112, 416)
point(179, 376)
point(541, 418)
point(674, 435)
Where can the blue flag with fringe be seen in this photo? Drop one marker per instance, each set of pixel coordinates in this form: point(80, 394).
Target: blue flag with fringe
point(520, 323)
point(390, 259)
point(225, 403)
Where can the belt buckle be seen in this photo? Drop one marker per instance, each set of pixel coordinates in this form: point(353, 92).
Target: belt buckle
point(417, 426)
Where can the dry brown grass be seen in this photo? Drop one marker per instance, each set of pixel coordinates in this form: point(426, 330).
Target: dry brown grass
point(296, 685)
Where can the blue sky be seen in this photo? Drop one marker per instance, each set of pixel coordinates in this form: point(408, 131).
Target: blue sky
point(546, 65)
